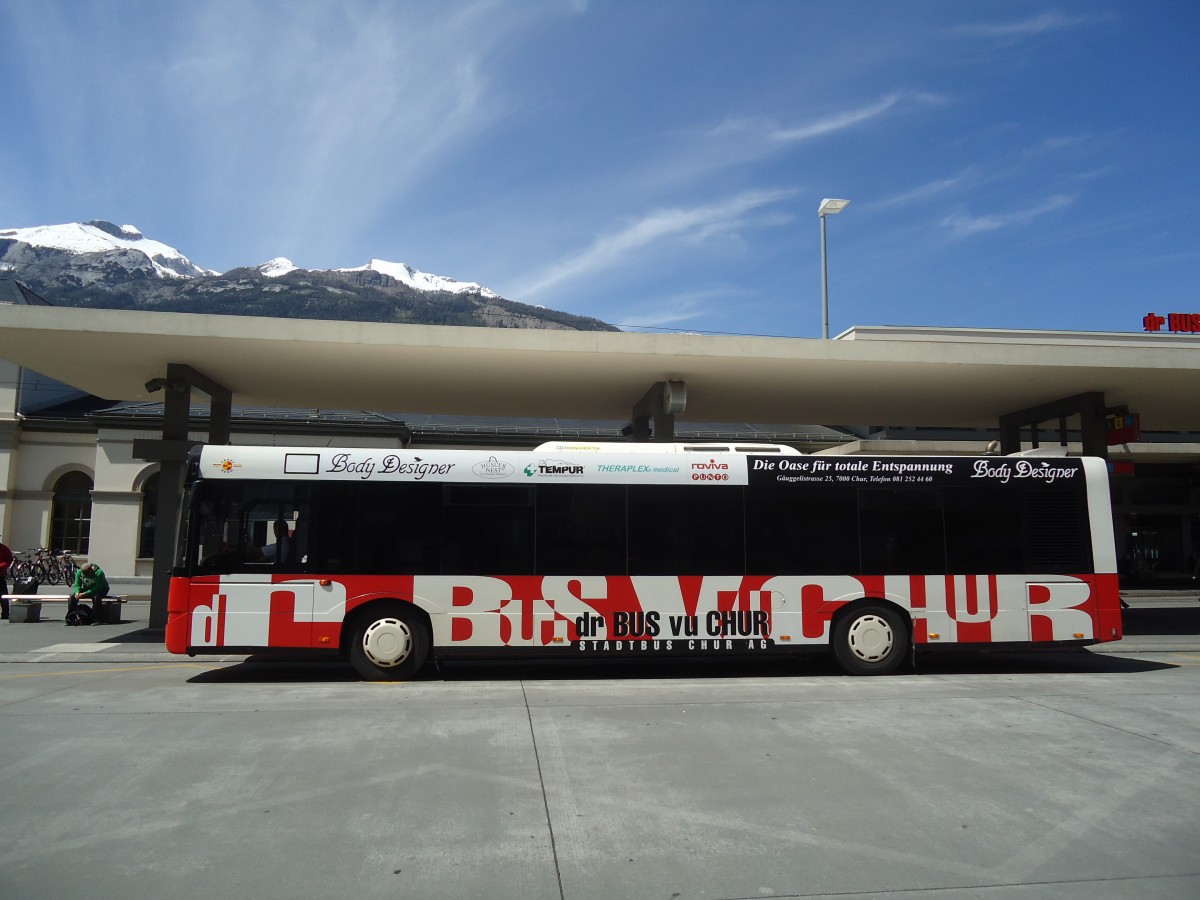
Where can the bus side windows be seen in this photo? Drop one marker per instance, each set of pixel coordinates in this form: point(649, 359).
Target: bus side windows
point(581, 529)
point(686, 530)
point(487, 530)
point(983, 530)
point(801, 529)
point(901, 532)
point(374, 529)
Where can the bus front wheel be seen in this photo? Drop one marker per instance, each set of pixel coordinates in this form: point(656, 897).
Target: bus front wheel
point(388, 645)
point(870, 640)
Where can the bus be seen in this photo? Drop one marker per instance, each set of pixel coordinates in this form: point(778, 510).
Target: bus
point(392, 557)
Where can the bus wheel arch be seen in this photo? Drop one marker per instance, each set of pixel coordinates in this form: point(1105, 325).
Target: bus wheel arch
point(387, 640)
point(871, 637)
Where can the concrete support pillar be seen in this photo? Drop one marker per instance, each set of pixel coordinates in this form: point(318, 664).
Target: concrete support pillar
point(660, 405)
point(170, 493)
point(172, 453)
point(1088, 407)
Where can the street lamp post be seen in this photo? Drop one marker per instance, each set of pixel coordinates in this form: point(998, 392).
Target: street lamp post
point(830, 208)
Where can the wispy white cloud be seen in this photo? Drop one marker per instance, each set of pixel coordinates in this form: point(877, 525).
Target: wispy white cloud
point(672, 310)
point(619, 248)
point(968, 177)
point(743, 141)
point(1033, 26)
point(330, 114)
point(769, 134)
point(1058, 143)
point(849, 118)
point(964, 226)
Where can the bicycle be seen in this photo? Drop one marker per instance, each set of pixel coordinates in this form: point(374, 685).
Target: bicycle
point(31, 564)
point(68, 566)
point(44, 565)
point(22, 565)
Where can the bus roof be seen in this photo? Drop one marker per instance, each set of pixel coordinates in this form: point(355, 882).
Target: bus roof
point(662, 447)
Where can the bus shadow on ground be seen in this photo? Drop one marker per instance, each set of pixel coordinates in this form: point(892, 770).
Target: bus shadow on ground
point(267, 670)
point(141, 636)
point(1034, 662)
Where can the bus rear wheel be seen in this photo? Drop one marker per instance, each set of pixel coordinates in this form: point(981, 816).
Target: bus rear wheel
point(388, 645)
point(870, 640)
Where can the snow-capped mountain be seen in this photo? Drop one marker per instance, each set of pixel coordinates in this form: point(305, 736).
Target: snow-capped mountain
point(98, 264)
point(100, 237)
point(96, 241)
point(280, 265)
point(422, 281)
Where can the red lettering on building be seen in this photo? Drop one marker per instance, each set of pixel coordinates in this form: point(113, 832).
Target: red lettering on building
point(1179, 323)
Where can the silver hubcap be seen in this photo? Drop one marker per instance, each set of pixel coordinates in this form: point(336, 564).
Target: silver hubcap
point(388, 642)
point(871, 638)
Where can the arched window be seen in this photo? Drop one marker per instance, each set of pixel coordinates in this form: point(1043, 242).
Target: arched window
point(71, 516)
point(149, 516)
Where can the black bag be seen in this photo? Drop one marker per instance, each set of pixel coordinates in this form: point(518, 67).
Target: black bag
point(26, 584)
point(80, 615)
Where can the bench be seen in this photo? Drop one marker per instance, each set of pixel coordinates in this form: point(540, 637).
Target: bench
point(110, 606)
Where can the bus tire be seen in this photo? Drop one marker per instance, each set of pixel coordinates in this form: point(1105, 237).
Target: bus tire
point(871, 639)
point(388, 644)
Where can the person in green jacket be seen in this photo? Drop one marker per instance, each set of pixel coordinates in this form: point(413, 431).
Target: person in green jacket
point(90, 584)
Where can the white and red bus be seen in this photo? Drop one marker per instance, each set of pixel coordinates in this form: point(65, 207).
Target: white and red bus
point(390, 557)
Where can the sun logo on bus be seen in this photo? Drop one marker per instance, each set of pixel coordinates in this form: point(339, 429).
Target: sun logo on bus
point(227, 465)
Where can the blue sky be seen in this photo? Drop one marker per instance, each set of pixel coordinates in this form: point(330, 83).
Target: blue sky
point(657, 165)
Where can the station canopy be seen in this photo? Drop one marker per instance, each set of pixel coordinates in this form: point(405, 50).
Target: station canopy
point(885, 376)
